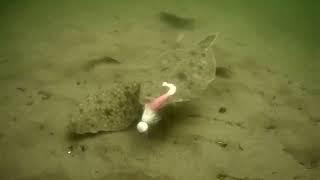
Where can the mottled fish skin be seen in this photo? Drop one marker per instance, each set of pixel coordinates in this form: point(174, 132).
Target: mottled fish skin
point(191, 70)
point(108, 110)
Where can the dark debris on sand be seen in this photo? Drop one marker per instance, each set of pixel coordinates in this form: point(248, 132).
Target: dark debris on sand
point(177, 21)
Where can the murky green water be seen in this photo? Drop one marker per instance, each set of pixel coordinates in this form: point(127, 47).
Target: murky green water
point(258, 119)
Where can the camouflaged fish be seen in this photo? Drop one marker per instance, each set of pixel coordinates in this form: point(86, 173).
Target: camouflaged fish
point(107, 110)
point(191, 70)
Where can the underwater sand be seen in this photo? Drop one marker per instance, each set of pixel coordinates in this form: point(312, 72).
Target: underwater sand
point(261, 121)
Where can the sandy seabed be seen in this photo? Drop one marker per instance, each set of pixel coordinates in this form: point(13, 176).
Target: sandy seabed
point(259, 121)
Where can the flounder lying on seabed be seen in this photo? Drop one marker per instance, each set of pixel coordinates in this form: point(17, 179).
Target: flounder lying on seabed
point(113, 109)
point(191, 70)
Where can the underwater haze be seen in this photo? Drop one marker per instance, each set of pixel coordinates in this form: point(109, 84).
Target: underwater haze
point(259, 119)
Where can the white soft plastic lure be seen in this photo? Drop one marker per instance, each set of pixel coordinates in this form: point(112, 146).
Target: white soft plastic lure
point(149, 116)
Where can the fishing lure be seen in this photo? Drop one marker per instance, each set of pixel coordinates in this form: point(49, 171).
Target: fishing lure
point(151, 109)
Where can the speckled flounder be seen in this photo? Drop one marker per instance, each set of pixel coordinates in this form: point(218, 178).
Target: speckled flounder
point(191, 70)
point(114, 109)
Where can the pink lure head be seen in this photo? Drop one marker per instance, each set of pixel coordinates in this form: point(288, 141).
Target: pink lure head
point(160, 101)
